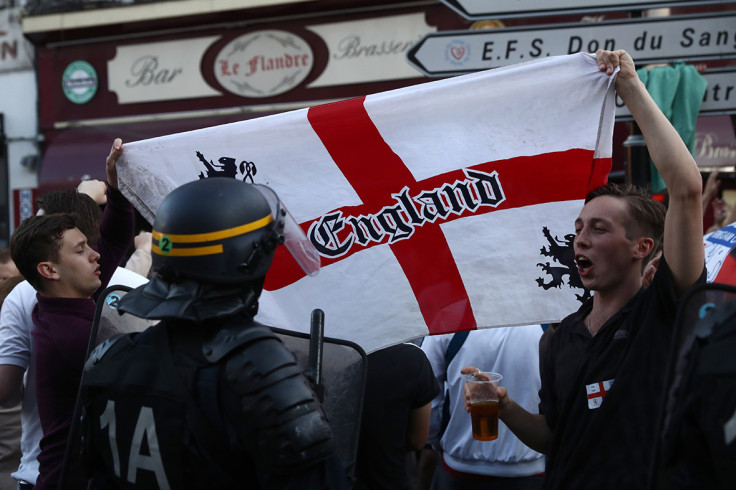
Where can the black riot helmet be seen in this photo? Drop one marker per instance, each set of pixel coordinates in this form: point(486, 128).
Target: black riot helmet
point(217, 230)
point(213, 242)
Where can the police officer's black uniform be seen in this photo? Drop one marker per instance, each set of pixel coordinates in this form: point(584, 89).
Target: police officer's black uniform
point(208, 397)
point(699, 439)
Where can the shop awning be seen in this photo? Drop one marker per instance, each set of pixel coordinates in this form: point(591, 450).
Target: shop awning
point(73, 155)
point(78, 153)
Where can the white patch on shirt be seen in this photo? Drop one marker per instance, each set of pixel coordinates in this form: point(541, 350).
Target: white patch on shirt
point(596, 392)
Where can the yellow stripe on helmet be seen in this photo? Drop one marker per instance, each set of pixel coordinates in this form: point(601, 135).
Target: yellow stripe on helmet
point(216, 235)
point(189, 252)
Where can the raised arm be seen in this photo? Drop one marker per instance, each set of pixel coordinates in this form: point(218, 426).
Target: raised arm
point(117, 227)
point(683, 246)
point(140, 261)
point(711, 190)
point(730, 215)
point(110, 163)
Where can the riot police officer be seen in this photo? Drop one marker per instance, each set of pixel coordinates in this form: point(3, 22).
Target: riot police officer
point(698, 442)
point(208, 397)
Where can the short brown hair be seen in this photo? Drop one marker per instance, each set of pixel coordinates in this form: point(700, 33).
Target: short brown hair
point(645, 215)
point(37, 240)
point(87, 214)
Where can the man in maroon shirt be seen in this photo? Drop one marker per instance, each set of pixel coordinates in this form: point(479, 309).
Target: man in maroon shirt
point(68, 275)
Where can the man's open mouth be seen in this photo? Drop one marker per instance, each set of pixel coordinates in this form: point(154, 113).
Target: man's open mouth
point(583, 263)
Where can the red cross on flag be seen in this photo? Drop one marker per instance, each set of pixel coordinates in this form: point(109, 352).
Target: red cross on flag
point(435, 208)
point(596, 392)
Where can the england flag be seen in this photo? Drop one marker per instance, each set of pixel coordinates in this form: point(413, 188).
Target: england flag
point(436, 208)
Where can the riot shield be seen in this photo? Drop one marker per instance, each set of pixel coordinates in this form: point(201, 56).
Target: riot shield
point(703, 348)
point(109, 321)
point(343, 381)
point(341, 367)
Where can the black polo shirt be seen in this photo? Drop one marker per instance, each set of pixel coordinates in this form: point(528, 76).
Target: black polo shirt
point(601, 395)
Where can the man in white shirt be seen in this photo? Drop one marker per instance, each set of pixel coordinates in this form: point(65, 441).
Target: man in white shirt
point(467, 463)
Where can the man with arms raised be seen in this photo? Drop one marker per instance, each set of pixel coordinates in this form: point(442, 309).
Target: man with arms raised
point(604, 370)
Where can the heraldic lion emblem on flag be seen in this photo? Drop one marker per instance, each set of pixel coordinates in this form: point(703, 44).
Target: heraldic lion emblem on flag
point(226, 167)
point(564, 255)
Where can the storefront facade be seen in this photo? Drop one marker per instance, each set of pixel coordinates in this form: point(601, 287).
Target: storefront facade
point(145, 70)
point(236, 65)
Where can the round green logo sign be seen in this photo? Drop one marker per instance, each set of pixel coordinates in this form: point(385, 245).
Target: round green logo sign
point(79, 82)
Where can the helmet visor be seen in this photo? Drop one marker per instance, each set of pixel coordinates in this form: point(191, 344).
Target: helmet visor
point(295, 239)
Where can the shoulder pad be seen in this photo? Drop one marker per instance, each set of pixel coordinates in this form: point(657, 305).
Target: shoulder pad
point(233, 336)
point(99, 352)
point(715, 320)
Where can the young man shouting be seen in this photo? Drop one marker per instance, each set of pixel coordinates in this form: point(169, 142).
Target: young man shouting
point(604, 370)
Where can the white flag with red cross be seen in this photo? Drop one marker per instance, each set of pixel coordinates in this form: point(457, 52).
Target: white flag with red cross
point(435, 208)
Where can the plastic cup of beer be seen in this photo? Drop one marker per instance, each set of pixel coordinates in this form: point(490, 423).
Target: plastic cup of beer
point(483, 404)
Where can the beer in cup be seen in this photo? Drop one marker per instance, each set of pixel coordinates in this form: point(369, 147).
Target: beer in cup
point(481, 387)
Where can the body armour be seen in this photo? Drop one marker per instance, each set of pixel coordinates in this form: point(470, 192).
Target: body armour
point(186, 405)
point(699, 443)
